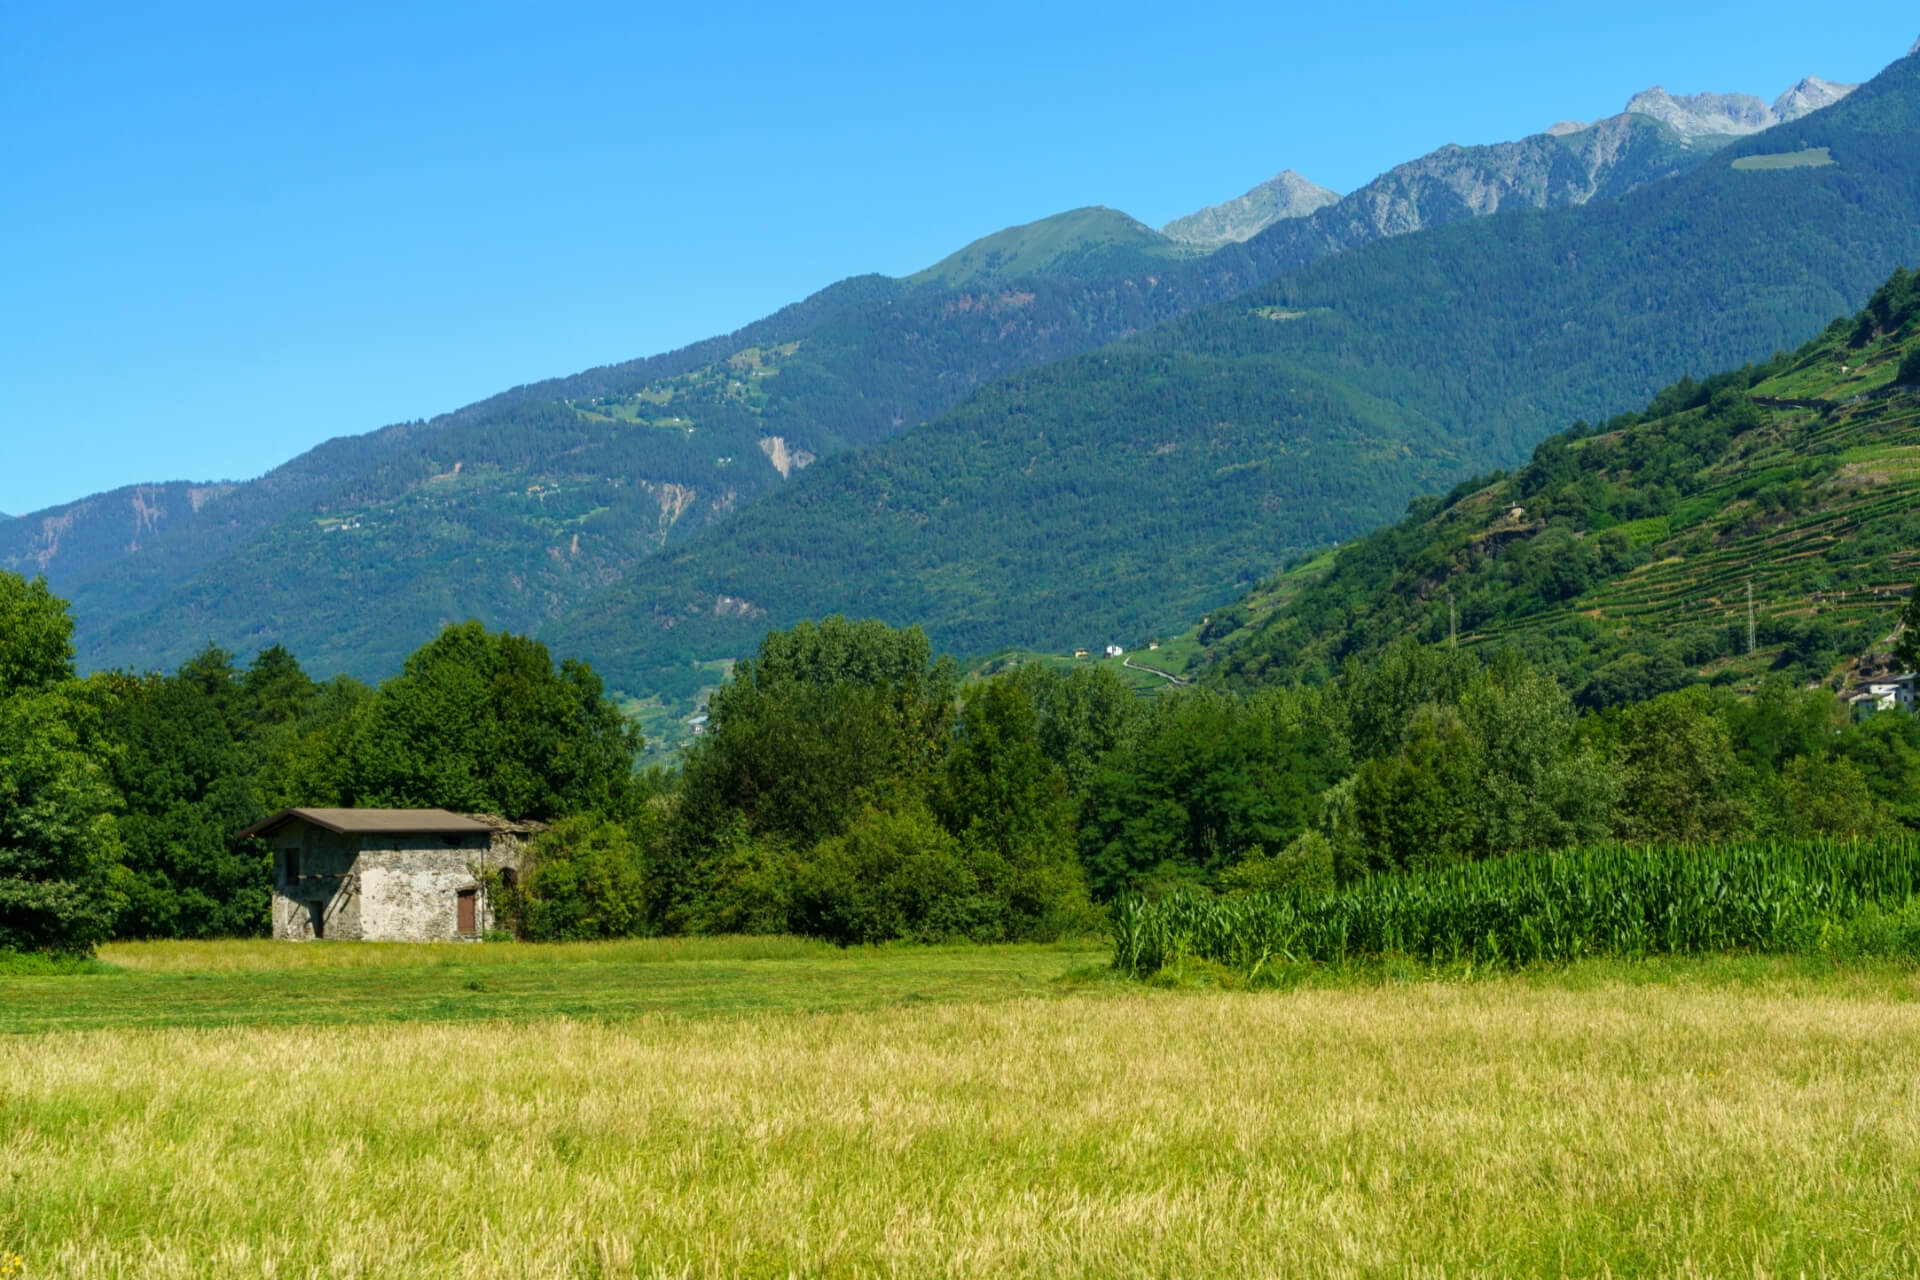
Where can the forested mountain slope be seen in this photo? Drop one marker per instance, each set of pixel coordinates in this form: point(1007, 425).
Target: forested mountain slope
point(521, 507)
point(1124, 491)
point(1622, 555)
point(125, 549)
point(152, 537)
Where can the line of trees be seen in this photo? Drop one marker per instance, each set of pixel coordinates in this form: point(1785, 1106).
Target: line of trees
point(853, 786)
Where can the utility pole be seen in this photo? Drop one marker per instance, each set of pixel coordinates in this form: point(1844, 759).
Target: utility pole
point(1750, 644)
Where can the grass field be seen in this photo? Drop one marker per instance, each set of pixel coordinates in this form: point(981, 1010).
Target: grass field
point(1811, 158)
point(776, 1108)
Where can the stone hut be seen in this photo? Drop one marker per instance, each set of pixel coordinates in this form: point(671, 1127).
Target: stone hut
point(387, 875)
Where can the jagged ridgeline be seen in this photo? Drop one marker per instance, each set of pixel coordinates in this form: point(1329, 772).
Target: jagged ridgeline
point(1120, 494)
point(1622, 554)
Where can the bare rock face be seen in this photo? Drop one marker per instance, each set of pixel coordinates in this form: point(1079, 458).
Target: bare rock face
point(1808, 97)
point(1287, 196)
point(1700, 115)
point(1735, 115)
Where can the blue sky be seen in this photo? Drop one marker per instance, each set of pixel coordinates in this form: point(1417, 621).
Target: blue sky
point(234, 231)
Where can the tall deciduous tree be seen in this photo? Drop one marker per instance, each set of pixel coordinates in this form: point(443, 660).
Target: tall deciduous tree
point(479, 721)
point(59, 849)
point(36, 636)
point(186, 779)
point(1204, 782)
point(1008, 804)
point(827, 719)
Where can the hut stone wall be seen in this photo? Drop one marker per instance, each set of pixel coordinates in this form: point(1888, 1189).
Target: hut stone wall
point(383, 887)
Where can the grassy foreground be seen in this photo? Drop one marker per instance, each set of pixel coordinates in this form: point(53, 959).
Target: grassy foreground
point(1743, 1118)
point(227, 984)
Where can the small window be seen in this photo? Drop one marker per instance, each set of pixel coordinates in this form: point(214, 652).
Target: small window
point(292, 858)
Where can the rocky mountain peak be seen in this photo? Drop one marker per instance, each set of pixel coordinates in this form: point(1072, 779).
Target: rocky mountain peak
point(1809, 96)
point(1702, 115)
point(1698, 114)
point(1287, 195)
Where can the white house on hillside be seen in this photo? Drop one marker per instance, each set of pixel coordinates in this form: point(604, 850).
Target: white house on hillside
point(1894, 694)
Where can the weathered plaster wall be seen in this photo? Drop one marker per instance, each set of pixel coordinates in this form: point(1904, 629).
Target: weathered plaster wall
point(384, 888)
point(410, 893)
point(326, 877)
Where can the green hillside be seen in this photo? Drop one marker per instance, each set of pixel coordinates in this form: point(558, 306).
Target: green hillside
point(1622, 555)
point(1125, 491)
point(1080, 243)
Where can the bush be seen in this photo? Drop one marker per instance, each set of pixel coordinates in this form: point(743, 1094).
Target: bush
point(893, 875)
point(1305, 866)
point(746, 886)
point(585, 878)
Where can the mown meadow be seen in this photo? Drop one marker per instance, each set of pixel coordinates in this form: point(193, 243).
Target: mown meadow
point(777, 1108)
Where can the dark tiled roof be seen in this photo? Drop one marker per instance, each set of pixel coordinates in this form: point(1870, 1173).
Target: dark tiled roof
point(375, 822)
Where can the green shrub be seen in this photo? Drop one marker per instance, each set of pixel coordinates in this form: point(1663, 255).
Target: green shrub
point(1305, 866)
point(746, 886)
point(585, 878)
point(895, 874)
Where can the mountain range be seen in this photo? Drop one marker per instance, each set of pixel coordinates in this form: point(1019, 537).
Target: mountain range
point(1118, 494)
point(969, 447)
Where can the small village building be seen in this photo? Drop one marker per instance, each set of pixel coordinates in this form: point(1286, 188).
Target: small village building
point(388, 875)
point(1115, 651)
point(1893, 694)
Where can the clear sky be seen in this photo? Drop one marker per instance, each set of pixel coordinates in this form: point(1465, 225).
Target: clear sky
point(234, 230)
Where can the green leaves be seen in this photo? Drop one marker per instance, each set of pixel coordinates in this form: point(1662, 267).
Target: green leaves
point(1674, 899)
point(36, 636)
point(585, 879)
point(1909, 648)
point(483, 722)
point(59, 850)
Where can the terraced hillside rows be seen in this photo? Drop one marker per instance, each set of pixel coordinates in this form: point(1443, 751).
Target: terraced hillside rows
point(1788, 496)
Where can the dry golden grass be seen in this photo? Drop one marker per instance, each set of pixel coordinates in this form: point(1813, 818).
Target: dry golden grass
point(1496, 1128)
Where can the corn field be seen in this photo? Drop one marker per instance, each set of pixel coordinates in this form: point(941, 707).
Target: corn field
point(1606, 900)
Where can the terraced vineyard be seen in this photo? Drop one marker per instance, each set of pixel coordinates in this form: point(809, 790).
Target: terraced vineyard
point(1848, 560)
point(1625, 555)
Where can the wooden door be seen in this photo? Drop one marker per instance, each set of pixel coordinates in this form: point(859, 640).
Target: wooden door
point(469, 901)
